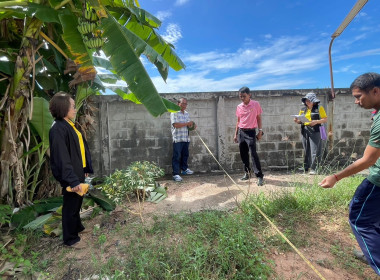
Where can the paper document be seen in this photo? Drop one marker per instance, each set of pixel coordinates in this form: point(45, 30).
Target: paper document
point(301, 118)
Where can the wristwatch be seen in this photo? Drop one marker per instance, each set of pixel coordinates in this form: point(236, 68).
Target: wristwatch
point(260, 129)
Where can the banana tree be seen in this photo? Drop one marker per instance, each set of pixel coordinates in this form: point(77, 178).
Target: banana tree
point(51, 45)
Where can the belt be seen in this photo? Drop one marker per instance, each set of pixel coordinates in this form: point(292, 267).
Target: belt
point(247, 129)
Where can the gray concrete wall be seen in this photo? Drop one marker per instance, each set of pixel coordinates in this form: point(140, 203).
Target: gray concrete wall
point(126, 132)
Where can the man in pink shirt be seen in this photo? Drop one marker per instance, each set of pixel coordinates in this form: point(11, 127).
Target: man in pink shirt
point(248, 121)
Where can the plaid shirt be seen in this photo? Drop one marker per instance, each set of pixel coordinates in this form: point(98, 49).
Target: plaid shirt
point(180, 134)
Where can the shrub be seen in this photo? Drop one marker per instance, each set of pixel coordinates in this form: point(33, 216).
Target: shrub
point(133, 180)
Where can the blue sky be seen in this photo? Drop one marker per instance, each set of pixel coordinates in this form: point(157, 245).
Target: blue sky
point(265, 44)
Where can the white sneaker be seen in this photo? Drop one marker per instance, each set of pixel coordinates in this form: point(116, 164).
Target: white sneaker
point(313, 172)
point(187, 172)
point(177, 178)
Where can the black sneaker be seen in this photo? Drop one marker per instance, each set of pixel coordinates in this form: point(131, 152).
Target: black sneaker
point(245, 177)
point(360, 256)
point(260, 181)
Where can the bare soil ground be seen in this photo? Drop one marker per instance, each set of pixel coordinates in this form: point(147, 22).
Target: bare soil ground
point(204, 192)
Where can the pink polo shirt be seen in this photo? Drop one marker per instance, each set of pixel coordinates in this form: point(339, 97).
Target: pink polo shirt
point(248, 114)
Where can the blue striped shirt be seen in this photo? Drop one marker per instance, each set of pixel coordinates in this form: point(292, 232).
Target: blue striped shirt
point(180, 134)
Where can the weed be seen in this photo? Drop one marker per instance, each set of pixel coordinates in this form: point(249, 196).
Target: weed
point(102, 239)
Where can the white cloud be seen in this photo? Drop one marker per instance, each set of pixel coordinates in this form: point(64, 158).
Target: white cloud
point(162, 15)
point(172, 33)
point(291, 53)
point(263, 67)
point(359, 54)
point(268, 36)
point(180, 2)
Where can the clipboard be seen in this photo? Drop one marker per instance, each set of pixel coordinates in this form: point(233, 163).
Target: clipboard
point(301, 118)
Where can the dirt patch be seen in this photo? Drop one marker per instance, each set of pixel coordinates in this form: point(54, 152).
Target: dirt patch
point(218, 191)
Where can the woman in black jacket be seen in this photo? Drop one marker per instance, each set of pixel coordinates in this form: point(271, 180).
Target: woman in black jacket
point(70, 161)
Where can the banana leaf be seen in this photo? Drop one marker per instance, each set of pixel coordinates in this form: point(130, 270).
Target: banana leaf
point(82, 94)
point(87, 202)
point(38, 223)
point(7, 67)
point(23, 217)
point(53, 226)
point(41, 119)
point(128, 65)
point(47, 206)
point(157, 195)
point(100, 198)
point(43, 12)
point(30, 213)
point(74, 42)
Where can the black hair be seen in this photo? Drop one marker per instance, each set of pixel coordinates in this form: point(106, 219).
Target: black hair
point(180, 100)
point(59, 105)
point(244, 90)
point(366, 81)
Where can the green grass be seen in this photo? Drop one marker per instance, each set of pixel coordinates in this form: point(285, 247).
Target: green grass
point(215, 244)
point(204, 245)
point(290, 209)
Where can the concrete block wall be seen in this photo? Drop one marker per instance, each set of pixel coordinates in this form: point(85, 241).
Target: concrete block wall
point(126, 132)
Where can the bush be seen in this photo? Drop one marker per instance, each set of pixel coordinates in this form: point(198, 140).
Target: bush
point(5, 214)
point(135, 179)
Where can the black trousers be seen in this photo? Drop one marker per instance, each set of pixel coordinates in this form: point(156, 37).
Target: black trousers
point(71, 223)
point(247, 143)
point(312, 145)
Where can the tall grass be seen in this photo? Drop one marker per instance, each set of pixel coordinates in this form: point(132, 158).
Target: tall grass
point(304, 199)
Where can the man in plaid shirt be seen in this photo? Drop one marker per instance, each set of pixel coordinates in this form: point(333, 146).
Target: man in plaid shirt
point(180, 122)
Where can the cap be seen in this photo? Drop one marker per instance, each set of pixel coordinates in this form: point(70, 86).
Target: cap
point(312, 97)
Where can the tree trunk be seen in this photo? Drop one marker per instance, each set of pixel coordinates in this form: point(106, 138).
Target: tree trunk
point(17, 110)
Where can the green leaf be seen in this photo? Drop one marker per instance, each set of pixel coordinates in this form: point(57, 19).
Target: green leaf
point(74, 42)
point(108, 78)
point(38, 223)
point(42, 12)
point(128, 65)
point(147, 41)
point(82, 94)
point(100, 198)
point(127, 96)
point(50, 68)
point(101, 62)
point(41, 119)
point(172, 107)
point(7, 67)
point(53, 226)
point(46, 205)
point(158, 194)
point(23, 217)
point(46, 82)
point(158, 46)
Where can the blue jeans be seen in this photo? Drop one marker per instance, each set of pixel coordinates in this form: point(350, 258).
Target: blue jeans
point(364, 219)
point(180, 157)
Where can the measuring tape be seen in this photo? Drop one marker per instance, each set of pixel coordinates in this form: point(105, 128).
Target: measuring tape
point(263, 214)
